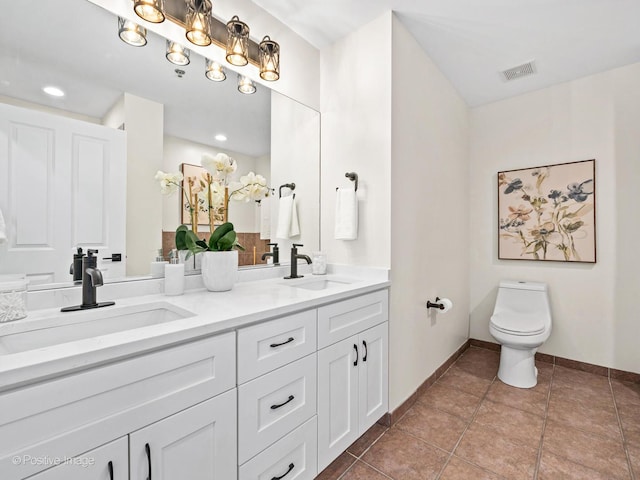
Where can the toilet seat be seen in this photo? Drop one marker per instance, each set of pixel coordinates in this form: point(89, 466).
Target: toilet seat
point(518, 324)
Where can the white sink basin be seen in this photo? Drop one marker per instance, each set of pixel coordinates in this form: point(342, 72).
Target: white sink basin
point(68, 327)
point(318, 284)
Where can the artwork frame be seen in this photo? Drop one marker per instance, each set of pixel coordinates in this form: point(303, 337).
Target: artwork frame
point(196, 172)
point(548, 213)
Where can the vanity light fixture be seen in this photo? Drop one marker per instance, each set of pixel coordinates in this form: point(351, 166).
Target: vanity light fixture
point(177, 54)
point(269, 59)
point(132, 33)
point(198, 22)
point(150, 10)
point(246, 85)
point(214, 71)
point(237, 42)
point(220, 137)
point(53, 91)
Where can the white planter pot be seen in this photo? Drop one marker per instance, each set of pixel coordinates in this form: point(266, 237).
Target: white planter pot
point(219, 270)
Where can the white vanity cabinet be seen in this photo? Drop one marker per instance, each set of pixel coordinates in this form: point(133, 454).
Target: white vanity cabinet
point(196, 444)
point(352, 371)
point(108, 462)
point(277, 428)
point(172, 399)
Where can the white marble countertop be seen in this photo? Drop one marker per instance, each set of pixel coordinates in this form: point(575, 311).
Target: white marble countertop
point(213, 312)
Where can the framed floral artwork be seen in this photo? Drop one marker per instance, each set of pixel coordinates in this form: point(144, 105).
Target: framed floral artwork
point(548, 213)
point(191, 185)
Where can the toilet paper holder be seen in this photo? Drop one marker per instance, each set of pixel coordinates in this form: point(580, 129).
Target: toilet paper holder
point(430, 304)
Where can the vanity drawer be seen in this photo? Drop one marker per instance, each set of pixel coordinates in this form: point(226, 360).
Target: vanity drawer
point(342, 319)
point(297, 454)
point(267, 346)
point(271, 406)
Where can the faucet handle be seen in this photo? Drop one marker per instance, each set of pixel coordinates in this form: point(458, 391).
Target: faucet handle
point(273, 244)
point(91, 252)
point(297, 245)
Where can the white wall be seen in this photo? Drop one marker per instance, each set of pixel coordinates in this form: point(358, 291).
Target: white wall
point(144, 126)
point(429, 217)
point(356, 137)
point(299, 60)
point(295, 158)
point(178, 151)
point(594, 310)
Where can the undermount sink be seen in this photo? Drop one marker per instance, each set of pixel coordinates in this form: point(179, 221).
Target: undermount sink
point(68, 327)
point(319, 284)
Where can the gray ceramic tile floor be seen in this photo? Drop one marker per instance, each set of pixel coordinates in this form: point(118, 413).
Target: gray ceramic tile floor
point(471, 426)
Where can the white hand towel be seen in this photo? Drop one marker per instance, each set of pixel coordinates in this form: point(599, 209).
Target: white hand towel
point(346, 214)
point(265, 219)
point(288, 225)
point(3, 230)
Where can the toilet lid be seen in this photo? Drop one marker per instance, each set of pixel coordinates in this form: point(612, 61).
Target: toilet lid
point(518, 323)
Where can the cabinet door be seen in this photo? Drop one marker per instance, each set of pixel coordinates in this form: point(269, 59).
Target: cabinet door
point(373, 376)
point(108, 462)
point(199, 443)
point(337, 399)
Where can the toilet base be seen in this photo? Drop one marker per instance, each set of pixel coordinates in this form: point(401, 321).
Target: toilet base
point(517, 367)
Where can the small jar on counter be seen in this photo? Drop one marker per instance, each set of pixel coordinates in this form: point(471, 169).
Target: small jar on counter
point(319, 263)
point(13, 297)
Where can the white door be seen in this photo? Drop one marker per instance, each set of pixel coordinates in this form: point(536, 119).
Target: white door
point(199, 443)
point(108, 462)
point(62, 186)
point(373, 376)
point(337, 399)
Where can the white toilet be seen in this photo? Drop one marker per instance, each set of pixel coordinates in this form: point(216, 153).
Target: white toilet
point(521, 322)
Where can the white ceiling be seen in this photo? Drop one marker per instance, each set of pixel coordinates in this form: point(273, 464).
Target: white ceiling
point(472, 41)
point(94, 67)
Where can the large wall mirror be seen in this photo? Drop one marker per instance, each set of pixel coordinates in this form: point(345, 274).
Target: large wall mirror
point(78, 170)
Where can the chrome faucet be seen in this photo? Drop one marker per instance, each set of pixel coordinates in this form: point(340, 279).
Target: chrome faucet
point(275, 255)
point(294, 261)
point(91, 279)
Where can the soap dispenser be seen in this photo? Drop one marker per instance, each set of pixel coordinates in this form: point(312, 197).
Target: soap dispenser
point(174, 275)
point(157, 267)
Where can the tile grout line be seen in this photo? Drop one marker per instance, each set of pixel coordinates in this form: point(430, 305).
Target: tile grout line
point(473, 417)
point(349, 467)
point(624, 439)
point(544, 424)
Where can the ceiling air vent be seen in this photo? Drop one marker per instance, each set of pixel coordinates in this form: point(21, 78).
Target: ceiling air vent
point(520, 71)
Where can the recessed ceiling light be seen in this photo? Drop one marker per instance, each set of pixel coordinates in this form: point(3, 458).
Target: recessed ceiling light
point(221, 138)
point(53, 91)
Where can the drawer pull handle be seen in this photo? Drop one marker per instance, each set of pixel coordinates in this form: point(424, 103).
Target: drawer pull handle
point(366, 351)
point(276, 345)
point(291, 467)
point(355, 364)
point(273, 407)
point(147, 448)
point(110, 468)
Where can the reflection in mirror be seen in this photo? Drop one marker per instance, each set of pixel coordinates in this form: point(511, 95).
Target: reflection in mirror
point(77, 170)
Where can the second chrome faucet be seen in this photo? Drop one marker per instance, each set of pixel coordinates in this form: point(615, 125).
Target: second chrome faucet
point(295, 256)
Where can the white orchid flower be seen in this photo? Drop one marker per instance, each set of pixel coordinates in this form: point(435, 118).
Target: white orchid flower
point(169, 182)
point(217, 195)
point(250, 187)
point(219, 166)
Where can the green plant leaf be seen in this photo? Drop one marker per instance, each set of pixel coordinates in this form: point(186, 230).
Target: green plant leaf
point(181, 234)
point(218, 233)
point(191, 241)
point(202, 243)
point(227, 241)
point(238, 246)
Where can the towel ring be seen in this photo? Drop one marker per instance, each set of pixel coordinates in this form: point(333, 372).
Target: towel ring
point(353, 176)
point(291, 186)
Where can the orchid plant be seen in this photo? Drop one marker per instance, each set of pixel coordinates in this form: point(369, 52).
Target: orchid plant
point(211, 194)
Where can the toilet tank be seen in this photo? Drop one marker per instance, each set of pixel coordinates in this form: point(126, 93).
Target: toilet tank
point(529, 298)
